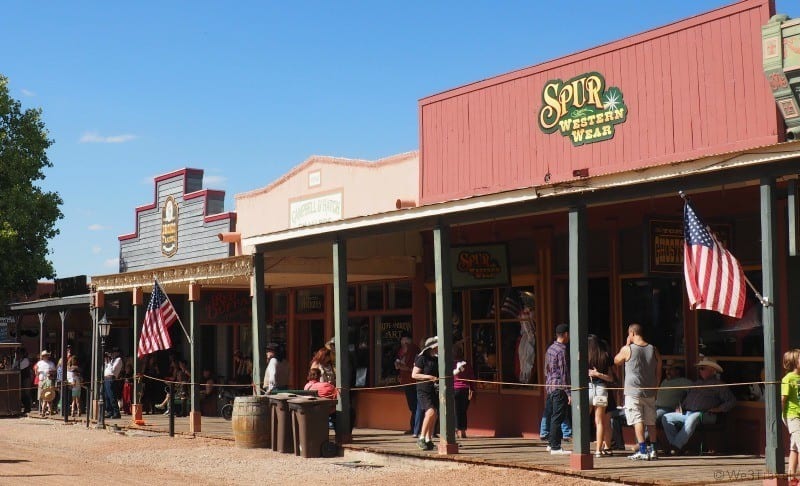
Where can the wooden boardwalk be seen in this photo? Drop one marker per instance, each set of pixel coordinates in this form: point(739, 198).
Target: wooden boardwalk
point(524, 454)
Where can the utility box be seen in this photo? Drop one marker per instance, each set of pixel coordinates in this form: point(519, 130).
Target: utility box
point(781, 55)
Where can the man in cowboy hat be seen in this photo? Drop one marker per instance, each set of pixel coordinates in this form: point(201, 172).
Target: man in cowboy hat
point(701, 405)
point(670, 393)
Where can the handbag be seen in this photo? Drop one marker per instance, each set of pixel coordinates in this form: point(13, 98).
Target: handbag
point(600, 401)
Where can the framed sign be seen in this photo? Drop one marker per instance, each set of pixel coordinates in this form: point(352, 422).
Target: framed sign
point(665, 244)
point(479, 266)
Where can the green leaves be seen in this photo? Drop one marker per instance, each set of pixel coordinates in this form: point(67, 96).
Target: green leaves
point(27, 214)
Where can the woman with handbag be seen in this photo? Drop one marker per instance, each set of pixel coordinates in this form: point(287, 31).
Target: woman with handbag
point(463, 390)
point(601, 375)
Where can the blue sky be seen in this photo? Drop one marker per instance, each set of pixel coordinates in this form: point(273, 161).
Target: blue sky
point(248, 90)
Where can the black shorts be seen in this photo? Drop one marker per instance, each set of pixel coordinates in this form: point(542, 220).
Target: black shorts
point(426, 400)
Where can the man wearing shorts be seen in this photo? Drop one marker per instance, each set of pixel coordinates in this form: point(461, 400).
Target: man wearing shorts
point(642, 370)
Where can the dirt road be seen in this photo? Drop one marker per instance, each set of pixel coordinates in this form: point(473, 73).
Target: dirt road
point(53, 453)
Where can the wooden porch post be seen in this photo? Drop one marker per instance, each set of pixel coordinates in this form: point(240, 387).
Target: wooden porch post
point(65, 392)
point(259, 311)
point(444, 331)
point(772, 362)
point(195, 424)
point(578, 327)
point(344, 434)
point(136, 406)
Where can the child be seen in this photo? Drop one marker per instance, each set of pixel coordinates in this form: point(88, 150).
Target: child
point(74, 379)
point(790, 406)
point(47, 398)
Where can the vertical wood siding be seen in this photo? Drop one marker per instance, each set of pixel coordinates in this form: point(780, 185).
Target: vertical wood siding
point(692, 88)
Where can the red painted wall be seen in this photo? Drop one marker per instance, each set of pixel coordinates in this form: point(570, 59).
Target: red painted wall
point(692, 88)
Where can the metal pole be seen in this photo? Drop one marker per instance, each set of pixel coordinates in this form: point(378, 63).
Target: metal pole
point(101, 411)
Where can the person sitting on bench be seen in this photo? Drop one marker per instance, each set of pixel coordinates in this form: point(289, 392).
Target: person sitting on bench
point(701, 405)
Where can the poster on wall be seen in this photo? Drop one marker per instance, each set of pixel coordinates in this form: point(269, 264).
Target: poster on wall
point(391, 329)
point(665, 244)
point(479, 266)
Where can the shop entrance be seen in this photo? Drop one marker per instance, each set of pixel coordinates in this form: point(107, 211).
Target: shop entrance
point(310, 338)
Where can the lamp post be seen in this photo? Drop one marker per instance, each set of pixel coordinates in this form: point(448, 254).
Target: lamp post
point(104, 328)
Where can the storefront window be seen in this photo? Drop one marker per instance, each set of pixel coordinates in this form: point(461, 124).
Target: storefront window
point(656, 304)
point(741, 341)
point(389, 331)
point(509, 313)
point(399, 294)
point(359, 350)
point(278, 331)
point(371, 297)
point(458, 318)
point(351, 297)
point(280, 304)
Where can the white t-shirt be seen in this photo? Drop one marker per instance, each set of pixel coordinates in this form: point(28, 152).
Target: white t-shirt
point(113, 367)
point(43, 367)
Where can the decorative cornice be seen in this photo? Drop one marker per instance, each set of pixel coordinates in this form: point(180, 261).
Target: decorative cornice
point(227, 271)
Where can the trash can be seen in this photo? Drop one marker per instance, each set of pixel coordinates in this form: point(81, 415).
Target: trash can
point(310, 424)
point(250, 421)
point(281, 422)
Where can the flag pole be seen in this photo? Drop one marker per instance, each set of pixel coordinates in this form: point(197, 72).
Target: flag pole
point(764, 302)
point(178, 317)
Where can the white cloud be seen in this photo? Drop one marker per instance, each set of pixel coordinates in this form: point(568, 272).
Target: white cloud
point(94, 137)
point(97, 227)
point(27, 92)
point(111, 263)
point(214, 180)
point(96, 250)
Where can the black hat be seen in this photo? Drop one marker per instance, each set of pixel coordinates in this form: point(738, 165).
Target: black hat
point(272, 347)
point(562, 328)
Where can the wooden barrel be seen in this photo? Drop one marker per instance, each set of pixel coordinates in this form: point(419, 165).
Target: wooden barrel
point(250, 422)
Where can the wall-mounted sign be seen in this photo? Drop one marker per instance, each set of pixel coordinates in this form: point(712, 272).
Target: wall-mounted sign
point(314, 178)
point(169, 227)
point(582, 108)
point(479, 266)
point(665, 246)
point(5, 323)
point(226, 306)
point(315, 210)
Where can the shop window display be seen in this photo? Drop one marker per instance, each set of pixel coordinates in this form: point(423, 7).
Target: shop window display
point(509, 315)
point(389, 331)
point(657, 304)
point(737, 344)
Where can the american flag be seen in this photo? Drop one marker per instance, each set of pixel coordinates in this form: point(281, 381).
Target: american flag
point(714, 278)
point(158, 319)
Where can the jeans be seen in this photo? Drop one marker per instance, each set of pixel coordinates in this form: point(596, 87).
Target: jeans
point(418, 416)
point(679, 427)
point(557, 405)
point(566, 425)
point(411, 400)
point(111, 405)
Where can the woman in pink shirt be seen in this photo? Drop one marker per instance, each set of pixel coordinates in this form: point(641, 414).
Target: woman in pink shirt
point(464, 390)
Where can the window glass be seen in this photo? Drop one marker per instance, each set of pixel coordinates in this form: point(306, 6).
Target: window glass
point(278, 331)
point(481, 304)
point(371, 297)
point(389, 331)
point(351, 297)
point(518, 335)
point(310, 301)
point(359, 351)
point(484, 352)
point(720, 335)
point(399, 294)
point(656, 304)
point(280, 303)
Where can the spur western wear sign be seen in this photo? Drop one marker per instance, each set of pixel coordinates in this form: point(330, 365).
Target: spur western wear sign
point(582, 108)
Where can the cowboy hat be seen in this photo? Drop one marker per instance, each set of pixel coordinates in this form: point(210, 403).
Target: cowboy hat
point(48, 394)
point(710, 363)
point(431, 342)
point(45, 353)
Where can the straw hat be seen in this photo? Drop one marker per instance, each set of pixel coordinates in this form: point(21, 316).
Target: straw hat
point(710, 363)
point(48, 394)
point(45, 353)
point(431, 342)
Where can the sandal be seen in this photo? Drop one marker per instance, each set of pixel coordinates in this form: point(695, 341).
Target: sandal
point(607, 452)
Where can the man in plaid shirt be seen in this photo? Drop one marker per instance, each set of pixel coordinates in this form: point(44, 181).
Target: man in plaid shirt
point(557, 387)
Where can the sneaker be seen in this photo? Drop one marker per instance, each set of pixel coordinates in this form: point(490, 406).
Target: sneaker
point(560, 452)
point(549, 449)
point(429, 446)
point(652, 455)
point(639, 456)
point(422, 444)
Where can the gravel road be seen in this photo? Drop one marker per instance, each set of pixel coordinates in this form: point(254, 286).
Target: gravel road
point(58, 454)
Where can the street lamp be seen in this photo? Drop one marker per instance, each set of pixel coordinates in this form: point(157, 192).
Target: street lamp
point(104, 328)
